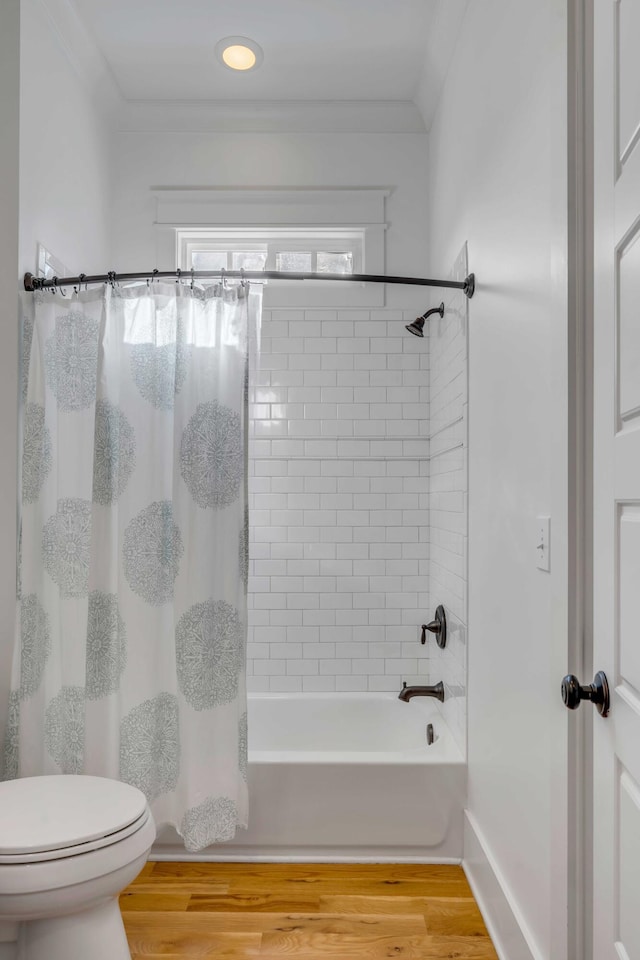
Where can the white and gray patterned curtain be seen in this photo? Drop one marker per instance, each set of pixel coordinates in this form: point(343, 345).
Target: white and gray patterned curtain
point(131, 623)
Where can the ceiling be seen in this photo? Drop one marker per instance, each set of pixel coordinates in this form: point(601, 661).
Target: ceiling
point(313, 49)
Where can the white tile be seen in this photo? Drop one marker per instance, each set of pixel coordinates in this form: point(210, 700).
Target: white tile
point(320, 448)
point(336, 568)
point(318, 684)
point(320, 378)
point(337, 362)
point(320, 345)
point(269, 668)
point(337, 328)
point(304, 394)
point(385, 683)
point(285, 651)
point(322, 618)
point(362, 545)
point(285, 685)
point(305, 328)
point(337, 394)
point(357, 345)
point(351, 684)
point(335, 667)
point(302, 668)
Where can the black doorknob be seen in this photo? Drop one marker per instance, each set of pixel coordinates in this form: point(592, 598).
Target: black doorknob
point(597, 692)
point(437, 627)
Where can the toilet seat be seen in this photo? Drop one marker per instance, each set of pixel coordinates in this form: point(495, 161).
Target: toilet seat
point(55, 817)
point(78, 848)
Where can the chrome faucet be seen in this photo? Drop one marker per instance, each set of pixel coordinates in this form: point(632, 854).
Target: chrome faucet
point(437, 691)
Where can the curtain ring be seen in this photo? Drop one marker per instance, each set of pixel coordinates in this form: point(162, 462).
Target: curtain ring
point(155, 272)
point(178, 274)
point(62, 293)
point(243, 281)
point(82, 276)
point(55, 286)
point(192, 278)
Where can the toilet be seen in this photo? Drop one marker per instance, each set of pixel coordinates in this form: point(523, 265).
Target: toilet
point(68, 846)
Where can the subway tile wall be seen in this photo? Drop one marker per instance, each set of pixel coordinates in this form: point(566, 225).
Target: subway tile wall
point(448, 404)
point(339, 503)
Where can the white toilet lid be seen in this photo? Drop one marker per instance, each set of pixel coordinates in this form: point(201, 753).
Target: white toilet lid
point(54, 812)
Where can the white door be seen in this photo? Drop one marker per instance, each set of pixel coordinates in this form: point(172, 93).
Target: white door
point(616, 853)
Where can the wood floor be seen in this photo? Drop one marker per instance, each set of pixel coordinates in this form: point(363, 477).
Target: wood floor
point(311, 911)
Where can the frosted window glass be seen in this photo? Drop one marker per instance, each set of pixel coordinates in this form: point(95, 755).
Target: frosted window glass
point(210, 260)
point(335, 262)
point(248, 260)
point(296, 262)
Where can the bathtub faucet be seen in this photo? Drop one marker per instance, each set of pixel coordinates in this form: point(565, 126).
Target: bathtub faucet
point(437, 691)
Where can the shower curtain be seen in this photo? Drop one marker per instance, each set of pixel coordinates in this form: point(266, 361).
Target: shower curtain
point(131, 623)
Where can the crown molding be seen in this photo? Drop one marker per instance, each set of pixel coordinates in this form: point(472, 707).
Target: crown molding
point(270, 116)
point(298, 206)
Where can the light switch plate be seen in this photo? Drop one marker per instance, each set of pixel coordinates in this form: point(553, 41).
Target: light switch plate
point(543, 543)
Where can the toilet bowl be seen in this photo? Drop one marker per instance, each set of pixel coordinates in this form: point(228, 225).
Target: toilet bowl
point(68, 846)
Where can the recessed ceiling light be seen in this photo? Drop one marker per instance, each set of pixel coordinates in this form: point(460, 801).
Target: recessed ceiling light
point(239, 53)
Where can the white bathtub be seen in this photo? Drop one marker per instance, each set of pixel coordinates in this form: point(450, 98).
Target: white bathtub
point(345, 776)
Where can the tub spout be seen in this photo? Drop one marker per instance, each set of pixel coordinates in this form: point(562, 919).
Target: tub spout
point(437, 691)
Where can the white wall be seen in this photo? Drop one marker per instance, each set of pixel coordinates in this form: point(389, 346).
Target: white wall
point(64, 154)
point(395, 160)
point(9, 177)
point(64, 188)
point(498, 179)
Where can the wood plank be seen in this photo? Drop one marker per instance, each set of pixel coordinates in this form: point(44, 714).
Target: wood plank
point(131, 899)
point(347, 887)
point(454, 918)
point(261, 902)
point(165, 945)
point(321, 947)
point(224, 870)
point(382, 904)
point(184, 887)
point(201, 924)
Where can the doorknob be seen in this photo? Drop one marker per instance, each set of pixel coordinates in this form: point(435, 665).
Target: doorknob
point(438, 627)
point(597, 692)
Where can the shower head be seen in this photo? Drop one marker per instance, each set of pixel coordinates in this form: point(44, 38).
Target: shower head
point(417, 327)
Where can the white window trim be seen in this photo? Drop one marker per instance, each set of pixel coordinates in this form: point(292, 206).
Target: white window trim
point(240, 215)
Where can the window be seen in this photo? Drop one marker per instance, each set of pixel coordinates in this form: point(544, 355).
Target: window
point(302, 230)
point(299, 251)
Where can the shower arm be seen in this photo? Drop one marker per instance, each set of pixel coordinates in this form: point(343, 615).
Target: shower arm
point(32, 283)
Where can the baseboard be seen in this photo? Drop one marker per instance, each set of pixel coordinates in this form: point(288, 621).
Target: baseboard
point(280, 854)
point(506, 926)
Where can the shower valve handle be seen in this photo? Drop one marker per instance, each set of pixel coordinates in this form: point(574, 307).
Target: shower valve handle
point(437, 627)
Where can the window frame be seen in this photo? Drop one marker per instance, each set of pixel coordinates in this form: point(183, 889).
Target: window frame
point(328, 216)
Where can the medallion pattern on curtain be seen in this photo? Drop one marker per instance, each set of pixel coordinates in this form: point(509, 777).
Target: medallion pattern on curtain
point(131, 624)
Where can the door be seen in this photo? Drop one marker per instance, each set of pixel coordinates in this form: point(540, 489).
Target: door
point(616, 796)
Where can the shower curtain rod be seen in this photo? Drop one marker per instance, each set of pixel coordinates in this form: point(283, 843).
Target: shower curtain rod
point(39, 283)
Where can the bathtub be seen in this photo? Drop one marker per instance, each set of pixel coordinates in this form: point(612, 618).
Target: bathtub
point(345, 777)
